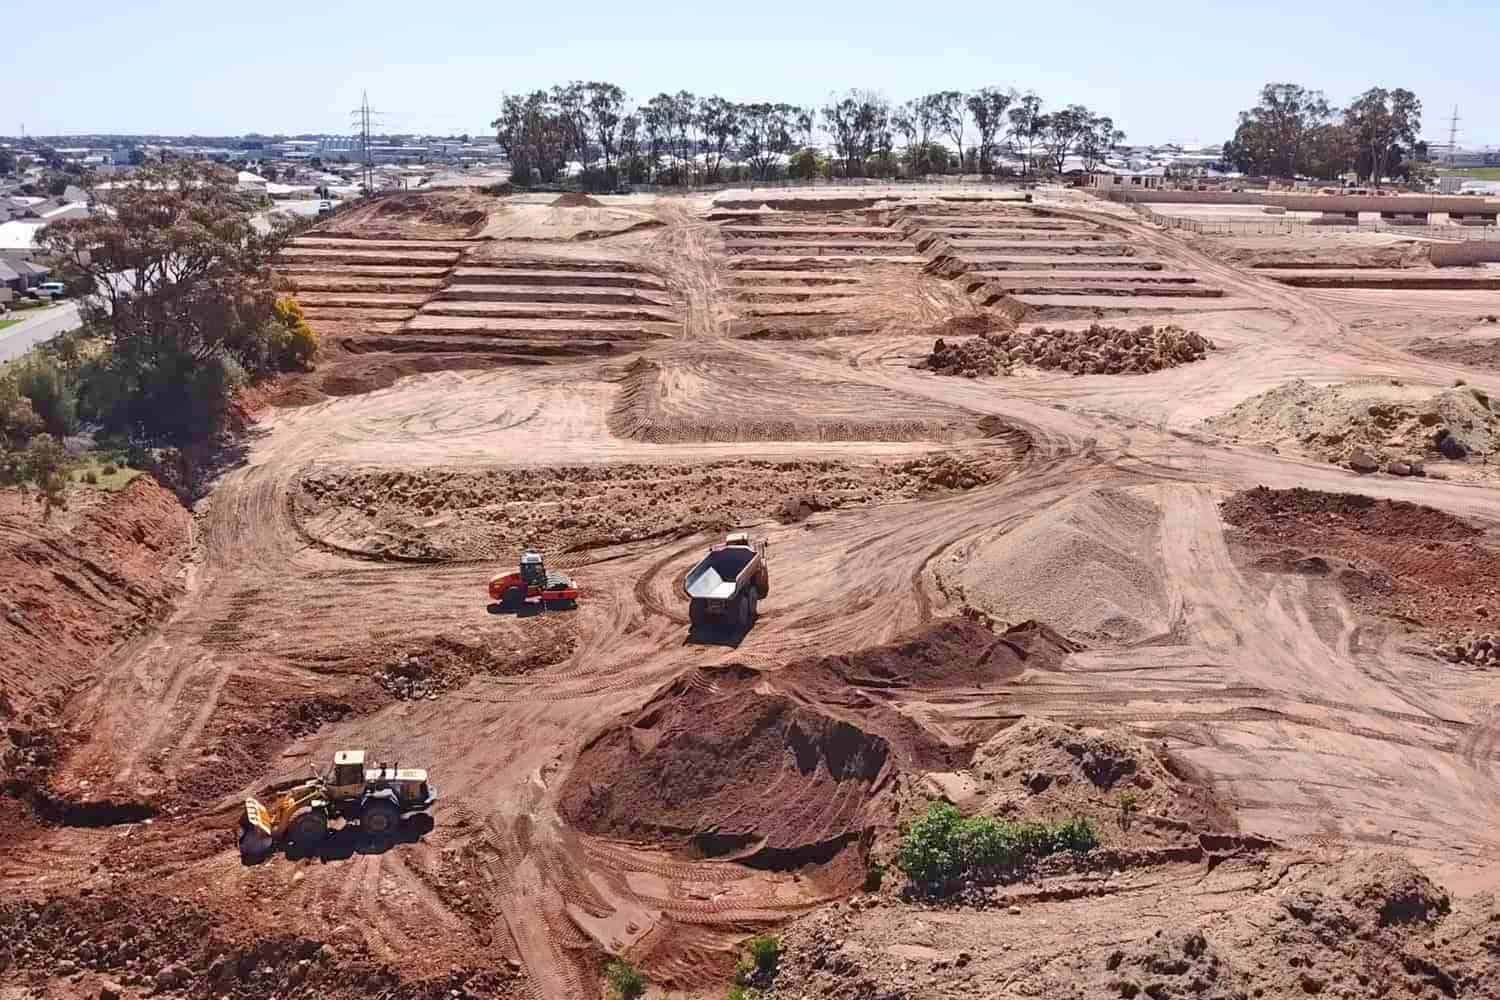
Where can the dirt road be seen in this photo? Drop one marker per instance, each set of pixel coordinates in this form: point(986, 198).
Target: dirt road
point(1318, 728)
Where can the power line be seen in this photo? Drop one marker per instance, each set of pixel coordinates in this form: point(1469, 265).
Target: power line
point(1453, 137)
point(361, 117)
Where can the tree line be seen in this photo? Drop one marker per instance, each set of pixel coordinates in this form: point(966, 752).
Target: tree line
point(179, 311)
point(684, 138)
point(1294, 131)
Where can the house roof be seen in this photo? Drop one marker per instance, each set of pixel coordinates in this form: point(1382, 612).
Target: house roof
point(8, 273)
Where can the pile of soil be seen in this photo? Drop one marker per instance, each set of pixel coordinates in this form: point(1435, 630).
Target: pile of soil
point(1369, 425)
point(1478, 352)
point(1097, 350)
point(137, 943)
point(948, 653)
point(574, 199)
point(1113, 590)
point(432, 514)
point(721, 764)
point(1038, 768)
point(784, 769)
point(73, 588)
point(1179, 963)
point(1420, 566)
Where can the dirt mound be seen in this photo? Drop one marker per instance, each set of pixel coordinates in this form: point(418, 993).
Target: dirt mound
point(1038, 768)
point(575, 199)
point(1420, 566)
point(952, 652)
point(1097, 350)
point(436, 514)
point(1112, 590)
point(725, 762)
point(1173, 964)
point(1476, 353)
point(77, 586)
point(1362, 927)
point(1371, 424)
point(137, 943)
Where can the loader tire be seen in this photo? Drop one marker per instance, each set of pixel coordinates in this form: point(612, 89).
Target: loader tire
point(742, 613)
point(380, 818)
point(754, 610)
point(309, 829)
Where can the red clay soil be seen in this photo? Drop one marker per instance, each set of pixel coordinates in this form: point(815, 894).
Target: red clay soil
point(953, 652)
point(783, 769)
point(134, 943)
point(1416, 564)
point(71, 591)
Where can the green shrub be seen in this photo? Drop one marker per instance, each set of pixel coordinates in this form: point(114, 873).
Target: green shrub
point(942, 844)
point(53, 396)
point(765, 952)
point(91, 477)
point(111, 468)
point(624, 980)
point(739, 991)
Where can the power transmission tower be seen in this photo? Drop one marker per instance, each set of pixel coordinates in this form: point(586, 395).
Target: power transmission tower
point(1453, 136)
point(362, 116)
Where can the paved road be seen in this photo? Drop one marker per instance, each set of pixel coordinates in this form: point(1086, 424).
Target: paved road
point(17, 340)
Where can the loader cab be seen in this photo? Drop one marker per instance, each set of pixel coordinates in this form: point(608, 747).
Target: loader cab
point(348, 775)
point(533, 570)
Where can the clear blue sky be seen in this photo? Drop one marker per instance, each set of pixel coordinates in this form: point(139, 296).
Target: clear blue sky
point(1166, 71)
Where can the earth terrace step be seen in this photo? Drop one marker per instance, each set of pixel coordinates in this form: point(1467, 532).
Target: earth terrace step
point(355, 243)
point(550, 293)
point(540, 329)
point(468, 275)
point(545, 310)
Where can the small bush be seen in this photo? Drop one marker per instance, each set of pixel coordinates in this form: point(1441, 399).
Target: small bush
point(292, 342)
point(942, 844)
point(739, 991)
point(624, 980)
point(1492, 318)
point(765, 952)
point(91, 477)
point(111, 468)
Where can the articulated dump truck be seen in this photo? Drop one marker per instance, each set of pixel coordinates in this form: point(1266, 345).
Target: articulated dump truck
point(726, 587)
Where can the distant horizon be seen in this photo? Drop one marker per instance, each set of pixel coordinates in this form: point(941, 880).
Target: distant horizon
point(1167, 72)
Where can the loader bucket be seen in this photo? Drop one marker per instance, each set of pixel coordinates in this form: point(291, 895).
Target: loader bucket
point(258, 816)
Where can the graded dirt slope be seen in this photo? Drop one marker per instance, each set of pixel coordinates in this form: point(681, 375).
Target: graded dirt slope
point(1296, 693)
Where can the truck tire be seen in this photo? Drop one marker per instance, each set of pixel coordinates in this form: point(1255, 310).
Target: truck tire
point(742, 612)
point(513, 597)
point(764, 585)
point(380, 818)
point(309, 830)
point(754, 608)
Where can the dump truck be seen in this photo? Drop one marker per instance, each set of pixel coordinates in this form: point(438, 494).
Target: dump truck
point(534, 582)
point(728, 584)
point(376, 798)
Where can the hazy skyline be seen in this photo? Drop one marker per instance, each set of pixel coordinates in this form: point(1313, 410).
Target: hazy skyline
point(1168, 71)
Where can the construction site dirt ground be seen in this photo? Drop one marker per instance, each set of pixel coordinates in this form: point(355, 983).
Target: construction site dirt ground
point(1027, 592)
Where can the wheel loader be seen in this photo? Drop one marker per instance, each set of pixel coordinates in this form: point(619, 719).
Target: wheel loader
point(375, 797)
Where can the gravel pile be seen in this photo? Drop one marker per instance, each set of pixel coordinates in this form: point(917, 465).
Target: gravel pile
point(1097, 350)
point(1111, 591)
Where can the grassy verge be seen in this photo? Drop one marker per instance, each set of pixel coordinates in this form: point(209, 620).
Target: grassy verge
point(1474, 173)
point(106, 474)
point(8, 322)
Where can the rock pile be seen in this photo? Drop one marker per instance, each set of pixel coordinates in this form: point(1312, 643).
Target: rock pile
point(1369, 426)
point(1097, 350)
point(1482, 650)
point(1173, 965)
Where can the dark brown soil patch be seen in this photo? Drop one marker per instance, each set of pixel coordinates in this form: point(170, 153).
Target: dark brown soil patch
point(953, 652)
point(1474, 353)
point(733, 762)
point(574, 199)
point(1417, 565)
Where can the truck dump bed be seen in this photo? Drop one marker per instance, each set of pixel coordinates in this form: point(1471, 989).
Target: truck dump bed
point(716, 576)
